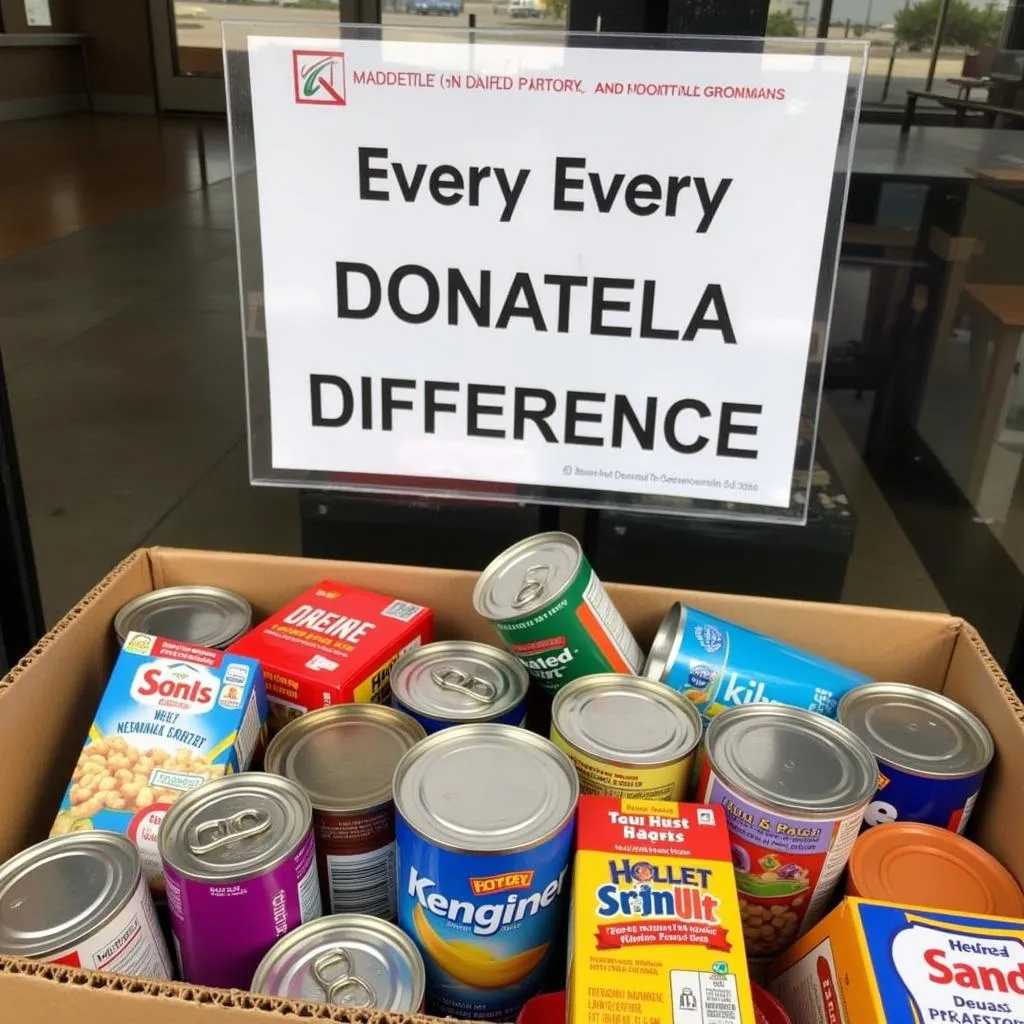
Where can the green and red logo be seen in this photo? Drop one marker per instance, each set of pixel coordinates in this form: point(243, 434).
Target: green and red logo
point(319, 77)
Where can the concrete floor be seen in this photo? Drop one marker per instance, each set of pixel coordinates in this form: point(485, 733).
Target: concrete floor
point(121, 342)
point(122, 350)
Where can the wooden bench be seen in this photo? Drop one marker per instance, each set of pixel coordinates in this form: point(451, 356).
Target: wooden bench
point(962, 106)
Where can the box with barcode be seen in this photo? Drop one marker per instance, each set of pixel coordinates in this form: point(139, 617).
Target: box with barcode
point(333, 644)
point(172, 717)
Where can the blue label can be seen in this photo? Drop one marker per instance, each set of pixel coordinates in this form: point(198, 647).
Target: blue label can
point(484, 830)
point(932, 753)
point(456, 682)
point(720, 665)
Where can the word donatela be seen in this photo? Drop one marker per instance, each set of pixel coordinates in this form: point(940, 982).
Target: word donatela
point(172, 717)
point(490, 281)
point(876, 963)
point(656, 931)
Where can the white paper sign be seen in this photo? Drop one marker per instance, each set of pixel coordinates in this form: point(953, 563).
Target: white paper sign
point(37, 13)
point(568, 267)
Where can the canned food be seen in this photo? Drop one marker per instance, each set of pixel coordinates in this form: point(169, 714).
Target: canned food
point(344, 757)
point(81, 900)
point(923, 866)
point(203, 616)
point(720, 665)
point(767, 1009)
point(626, 736)
point(932, 753)
point(240, 872)
point(345, 960)
point(552, 612)
point(485, 819)
point(794, 786)
point(455, 682)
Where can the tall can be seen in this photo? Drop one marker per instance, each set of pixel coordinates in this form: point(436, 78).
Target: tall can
point(932, 753)
point(344, 757)
point(553, 613)
point(456, 682)
point(794, 786)
point(627, 737)
point(240, 871)
point(346, 960)
point(82, 900)
point(719, 665)
point(485, 823)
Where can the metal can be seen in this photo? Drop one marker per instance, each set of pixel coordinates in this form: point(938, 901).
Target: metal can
point(455, 682)
point(553, 614)
point(81, 900)
point(346, 960)
point(240, 872)
point(917, 865)
point(485, 822)
point(203, 616)
point(794, 786)
point(344, 757)
point(932, 753)
point(627, 737)
point(719, 665)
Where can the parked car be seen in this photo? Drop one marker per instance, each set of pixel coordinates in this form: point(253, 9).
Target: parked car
point(519, 8)
point(433, 7)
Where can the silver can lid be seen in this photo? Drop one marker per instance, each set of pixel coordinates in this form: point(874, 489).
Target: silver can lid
point(235, 828)
point(349, 960)
point(204, 616)
point(459, 681)
point(63, 890)
point(344, 756)
point(791, 760)
point(666, 643)
point(625, 720)
point(527, 576)
point(486, 788)
point(917, 730)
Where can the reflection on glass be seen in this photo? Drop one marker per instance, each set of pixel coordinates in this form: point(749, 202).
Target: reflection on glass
point(197, 26)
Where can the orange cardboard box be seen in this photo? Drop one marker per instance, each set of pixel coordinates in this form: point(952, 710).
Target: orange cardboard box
point(47, 702)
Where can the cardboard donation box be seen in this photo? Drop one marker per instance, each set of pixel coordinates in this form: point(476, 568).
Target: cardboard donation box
point(48, 701)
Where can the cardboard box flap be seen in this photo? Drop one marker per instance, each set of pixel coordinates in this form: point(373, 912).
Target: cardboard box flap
point(996, 820)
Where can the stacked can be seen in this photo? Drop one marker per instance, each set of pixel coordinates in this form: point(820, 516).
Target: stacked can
point(344, 758)
point(458, 682)
point(240, 872)
point(553, 614)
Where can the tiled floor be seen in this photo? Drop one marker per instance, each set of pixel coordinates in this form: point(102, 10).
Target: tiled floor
point(121, 343)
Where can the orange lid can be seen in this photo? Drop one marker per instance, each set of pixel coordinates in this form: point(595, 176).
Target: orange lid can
point(924, 866)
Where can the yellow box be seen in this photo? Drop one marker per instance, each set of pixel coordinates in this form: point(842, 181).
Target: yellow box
point(877, 963)
point(656, 933)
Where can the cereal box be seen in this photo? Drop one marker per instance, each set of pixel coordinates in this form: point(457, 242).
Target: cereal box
point(656, 933)
point(878, 963)
point(334, 644)
point(172, 717)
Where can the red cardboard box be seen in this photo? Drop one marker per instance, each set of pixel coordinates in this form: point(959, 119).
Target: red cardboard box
point(334, 644)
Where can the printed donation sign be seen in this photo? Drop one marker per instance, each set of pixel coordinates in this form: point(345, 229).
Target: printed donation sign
point(542, 265)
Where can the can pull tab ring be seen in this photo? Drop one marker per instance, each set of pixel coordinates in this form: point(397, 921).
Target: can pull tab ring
point(334, 974)
point(452, 678)
point(212, 835)
point(535, 581)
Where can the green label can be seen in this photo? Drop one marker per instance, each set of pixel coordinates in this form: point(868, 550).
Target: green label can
point(553, 614)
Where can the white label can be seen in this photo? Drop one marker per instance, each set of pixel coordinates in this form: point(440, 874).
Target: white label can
point(81, 900)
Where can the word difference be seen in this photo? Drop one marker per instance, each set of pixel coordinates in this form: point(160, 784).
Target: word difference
point(589, 418)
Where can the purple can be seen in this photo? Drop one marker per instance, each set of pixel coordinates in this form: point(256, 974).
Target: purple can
point(240, 871)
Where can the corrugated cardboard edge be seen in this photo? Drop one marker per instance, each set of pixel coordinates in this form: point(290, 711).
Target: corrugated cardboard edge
point(255, 1006)
point(67, 622)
